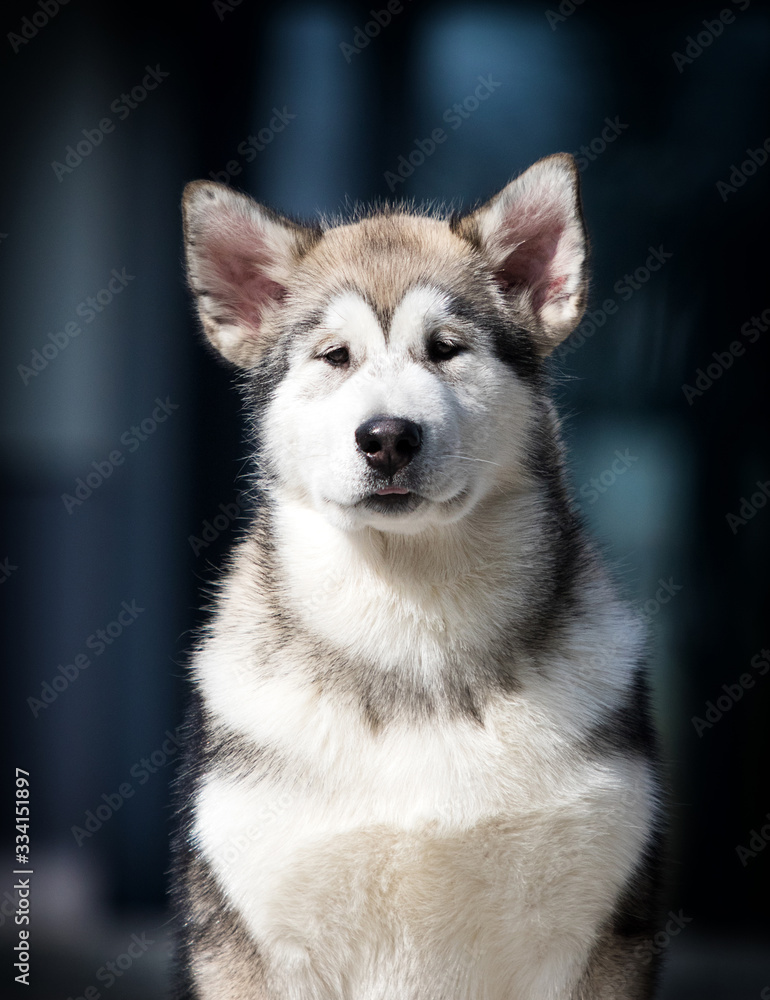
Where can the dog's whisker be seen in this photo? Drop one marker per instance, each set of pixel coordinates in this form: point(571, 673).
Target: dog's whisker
point(467, 458)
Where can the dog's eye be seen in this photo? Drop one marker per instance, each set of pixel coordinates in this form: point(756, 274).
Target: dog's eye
point(338, 357)
point(443, 350)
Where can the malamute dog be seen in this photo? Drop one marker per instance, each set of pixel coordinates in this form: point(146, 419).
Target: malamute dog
point(421, 764)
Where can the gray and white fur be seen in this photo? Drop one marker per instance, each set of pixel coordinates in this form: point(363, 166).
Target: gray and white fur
point(420, 762)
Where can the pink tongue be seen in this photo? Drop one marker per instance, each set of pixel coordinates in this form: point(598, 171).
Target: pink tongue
point(391, 489)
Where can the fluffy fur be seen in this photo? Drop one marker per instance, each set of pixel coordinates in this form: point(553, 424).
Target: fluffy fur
point(421, 763)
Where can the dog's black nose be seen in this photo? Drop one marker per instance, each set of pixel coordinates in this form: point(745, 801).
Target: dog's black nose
point(389, 443)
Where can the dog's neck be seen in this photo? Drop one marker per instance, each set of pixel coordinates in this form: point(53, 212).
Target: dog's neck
point(478, 542)
point(447, 586)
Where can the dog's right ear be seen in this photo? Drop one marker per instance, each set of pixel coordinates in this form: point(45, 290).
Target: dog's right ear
point(240, 256)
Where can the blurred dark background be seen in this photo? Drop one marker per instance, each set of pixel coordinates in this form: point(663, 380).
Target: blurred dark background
point(662, 105)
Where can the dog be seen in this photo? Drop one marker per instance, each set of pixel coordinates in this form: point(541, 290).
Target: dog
point(421, 763)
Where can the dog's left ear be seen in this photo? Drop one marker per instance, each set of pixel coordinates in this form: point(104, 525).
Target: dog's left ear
point(533, 236)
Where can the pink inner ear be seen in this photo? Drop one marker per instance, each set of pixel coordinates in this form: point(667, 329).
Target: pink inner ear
point(530, 263)
point(237, 261)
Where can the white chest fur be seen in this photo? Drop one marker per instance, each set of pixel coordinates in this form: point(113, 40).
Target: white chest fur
point(444, 860)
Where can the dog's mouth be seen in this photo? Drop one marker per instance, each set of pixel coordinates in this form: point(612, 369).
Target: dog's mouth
point(392, 500)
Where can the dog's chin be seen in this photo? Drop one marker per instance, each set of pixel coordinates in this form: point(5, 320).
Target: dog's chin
point(403, 512)
point(395, 513)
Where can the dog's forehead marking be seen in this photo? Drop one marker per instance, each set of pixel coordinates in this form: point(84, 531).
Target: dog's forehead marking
point(350, 315)
point(383, 258)
point(420, 309)
point(354, 318)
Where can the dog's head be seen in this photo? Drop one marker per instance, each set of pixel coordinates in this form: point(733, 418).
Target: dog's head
point(397, 356)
